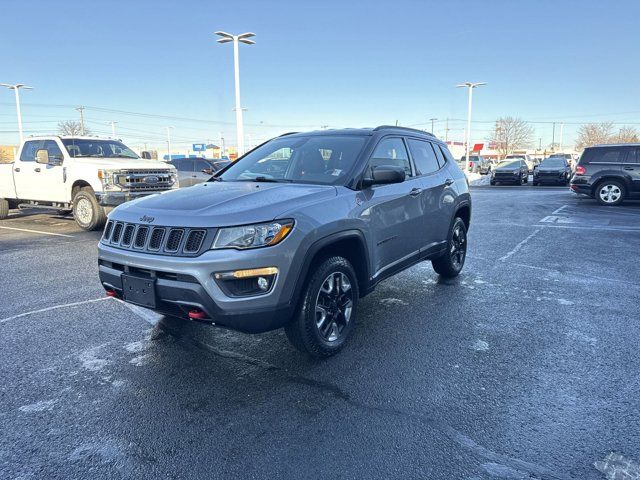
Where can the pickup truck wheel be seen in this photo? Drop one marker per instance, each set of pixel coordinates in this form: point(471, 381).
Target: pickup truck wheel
point(88, 213)
point(4, 208)
point(450, 264)
point(327, 311)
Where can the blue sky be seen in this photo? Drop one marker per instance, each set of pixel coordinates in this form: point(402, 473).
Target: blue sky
point(336, 63)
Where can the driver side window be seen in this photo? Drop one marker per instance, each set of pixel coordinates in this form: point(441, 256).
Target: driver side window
point(392, 152)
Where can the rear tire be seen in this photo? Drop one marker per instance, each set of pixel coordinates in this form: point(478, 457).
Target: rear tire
point(327, 312)
point(450, 264)
point(89, 215)
point(610, 193)
point(4, 208)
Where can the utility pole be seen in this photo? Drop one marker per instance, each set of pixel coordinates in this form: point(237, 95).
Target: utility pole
point(16, 89)
point(221, 146)
point(432, 122)
point(81, 110)
point(113, 128)
point(553, 138)
point(561, 132)
point(446, 131)
point(169, 141)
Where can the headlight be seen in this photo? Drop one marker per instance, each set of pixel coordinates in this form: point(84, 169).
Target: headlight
point(106, 177)
point(253, 236)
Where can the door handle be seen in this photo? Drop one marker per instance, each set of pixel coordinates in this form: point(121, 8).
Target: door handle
point(448, 182)
point(415, 192)
point(629, 168)
point(16, 169)
point(37, 169)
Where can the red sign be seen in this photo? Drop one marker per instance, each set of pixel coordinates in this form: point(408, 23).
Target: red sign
point(478, 146)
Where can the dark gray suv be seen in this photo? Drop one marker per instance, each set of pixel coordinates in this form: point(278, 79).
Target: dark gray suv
point(293, 234)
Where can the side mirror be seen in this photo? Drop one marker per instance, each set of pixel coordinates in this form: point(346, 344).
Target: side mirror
point(42, 156)
point(385, 174)
point(208, 171)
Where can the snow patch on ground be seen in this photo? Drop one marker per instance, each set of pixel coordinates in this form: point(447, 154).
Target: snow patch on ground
point(141, 360)
point(393, 301)
point(137, 347)
point(480, 346)
point(41, 406)
point(615, 466)
point(90, 361)
point(475, 179)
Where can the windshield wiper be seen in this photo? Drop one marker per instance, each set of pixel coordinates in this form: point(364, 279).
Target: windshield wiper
point(215, 179)
point(268, 180)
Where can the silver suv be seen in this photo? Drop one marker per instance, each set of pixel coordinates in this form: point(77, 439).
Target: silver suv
point(293, 234)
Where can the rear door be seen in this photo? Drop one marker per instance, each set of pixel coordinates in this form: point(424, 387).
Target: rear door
point(435, 222)
point(37, 181)
point(631, 169)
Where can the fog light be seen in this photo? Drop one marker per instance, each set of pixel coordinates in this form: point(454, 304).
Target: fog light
point(263, 283)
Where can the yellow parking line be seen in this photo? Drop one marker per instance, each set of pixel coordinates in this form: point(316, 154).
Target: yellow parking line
point(37, 231)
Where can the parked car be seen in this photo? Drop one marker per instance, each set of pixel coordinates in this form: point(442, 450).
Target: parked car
point(86, 175)
point(523, 156)
point(552, 170)
point(608, 173)
point(566, 156)
point(293, 234)
point(510, 171)
point(194, 170)
point(477, 164)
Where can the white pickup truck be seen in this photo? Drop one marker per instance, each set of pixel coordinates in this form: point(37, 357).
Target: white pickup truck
point(86, 175)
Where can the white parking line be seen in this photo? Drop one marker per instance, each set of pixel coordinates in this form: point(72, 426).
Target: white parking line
point(37, 231)
point(55, 307)
point(517, 248)
point(558, 210)
point(599, 228)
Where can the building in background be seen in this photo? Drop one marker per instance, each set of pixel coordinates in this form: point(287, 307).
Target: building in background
point(8, 153)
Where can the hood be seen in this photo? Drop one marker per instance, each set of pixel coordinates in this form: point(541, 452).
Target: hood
point(120, 163)
point(216, 204)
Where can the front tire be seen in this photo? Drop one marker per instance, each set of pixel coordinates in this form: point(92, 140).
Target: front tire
point(4, 208)
point(610, 193)
point(89, 215)
point(450, 264)
point(327, 311)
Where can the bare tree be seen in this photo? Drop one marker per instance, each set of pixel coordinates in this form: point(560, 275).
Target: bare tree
point(510, 134)
point(594, 133)
point(626, 135)
point(72, 128)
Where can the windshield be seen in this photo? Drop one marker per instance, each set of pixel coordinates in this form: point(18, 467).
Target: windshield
point(515, 156)
point(320, 159)
point(80, 147)
point(515, 164)
point(552, 163)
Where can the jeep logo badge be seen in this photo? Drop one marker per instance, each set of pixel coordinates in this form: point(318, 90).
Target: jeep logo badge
point(146, 219)
point(152, 179)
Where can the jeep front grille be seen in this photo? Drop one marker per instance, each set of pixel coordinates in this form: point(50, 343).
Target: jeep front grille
point(174, 241)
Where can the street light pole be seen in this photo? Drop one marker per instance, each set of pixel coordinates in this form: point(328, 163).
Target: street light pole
point(113, 128)
point(470, 86)
point(16, 87)
point(236, 39)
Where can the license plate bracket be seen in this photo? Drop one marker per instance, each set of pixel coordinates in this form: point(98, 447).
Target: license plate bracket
point(138, 290)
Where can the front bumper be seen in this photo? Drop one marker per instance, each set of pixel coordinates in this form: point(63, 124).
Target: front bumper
point(113, 199)
point(509, 178)
point(183, 284)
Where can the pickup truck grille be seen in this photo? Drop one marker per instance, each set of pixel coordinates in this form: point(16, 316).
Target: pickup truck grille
point(175, 241)
point(144, 180)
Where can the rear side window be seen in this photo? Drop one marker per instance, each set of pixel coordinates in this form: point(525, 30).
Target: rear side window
point(633, 156)
point(390, 151)
point(446, 153)
point(439, 155)
point(602, 155)
point(423, 156)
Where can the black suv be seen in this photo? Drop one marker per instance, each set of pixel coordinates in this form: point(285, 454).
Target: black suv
point(608, 173)
point(552, 170)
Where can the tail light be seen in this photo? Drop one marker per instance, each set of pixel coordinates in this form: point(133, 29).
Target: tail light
point(470, 164)
point(580, 170)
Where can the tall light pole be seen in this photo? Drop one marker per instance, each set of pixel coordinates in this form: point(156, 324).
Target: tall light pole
point(243, 38)
point(169, 142)
point(432, 121)
point(16, 87)
point(470, 86)
point(113, 128)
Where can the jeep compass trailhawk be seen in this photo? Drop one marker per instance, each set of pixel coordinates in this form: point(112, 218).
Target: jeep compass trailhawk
point(293, 234)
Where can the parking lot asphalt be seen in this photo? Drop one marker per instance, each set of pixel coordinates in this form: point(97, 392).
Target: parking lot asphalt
point(525, 366)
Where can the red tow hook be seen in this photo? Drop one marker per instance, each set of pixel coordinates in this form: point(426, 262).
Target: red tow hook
point(111, 293)
point(197, 315)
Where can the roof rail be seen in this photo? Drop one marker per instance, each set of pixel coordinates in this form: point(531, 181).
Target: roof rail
point(407, 129)
point(288, 133)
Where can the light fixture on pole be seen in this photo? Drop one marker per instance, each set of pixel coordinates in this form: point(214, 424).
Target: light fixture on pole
point(242, 38)
point(169, 142)
point(470, 86)
point(16, 87)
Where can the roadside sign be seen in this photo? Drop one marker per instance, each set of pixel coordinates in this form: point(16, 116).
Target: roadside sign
point(199, 147)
